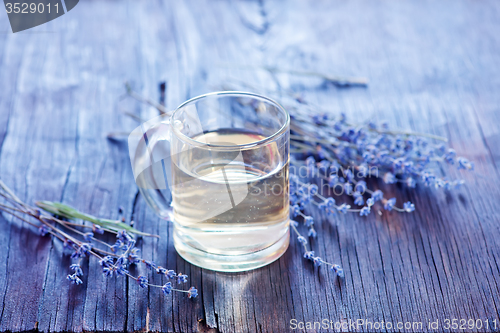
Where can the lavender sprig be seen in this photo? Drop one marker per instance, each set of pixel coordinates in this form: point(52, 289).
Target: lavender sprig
point(310, 255)
point(115, 260)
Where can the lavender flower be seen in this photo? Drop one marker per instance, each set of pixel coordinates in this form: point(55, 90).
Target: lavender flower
point(77, 269)
point(121, 270)
point(43, 230)
point(117, 246)
point(309, 255)
point(97, 229)
point(338, 270)
point(149, 264)
point(123, 236)
point(192, 292)
point(108, 271)
point(343, 208)
point(360, 187)
point(365, 211)
point(142, 281)
point(348, 188)
point(181, 278)
point(358, 199)
point(74, 279)
point(82, 251)
point(317, 261)
point(389, 178)
point(170, 274)
point(161, 270)
point(389, 204)
point(410, 182)
point(313, 189)
point(377, 195)
point(463, 163)
point(106, 261)
point(167, 288)
point(408, 207)
point(334, 179)
point(88, 236)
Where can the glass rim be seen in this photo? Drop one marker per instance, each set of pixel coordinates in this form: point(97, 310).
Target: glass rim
point(263, 141)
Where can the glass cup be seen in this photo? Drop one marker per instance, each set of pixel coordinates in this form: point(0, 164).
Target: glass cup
point(218, 168)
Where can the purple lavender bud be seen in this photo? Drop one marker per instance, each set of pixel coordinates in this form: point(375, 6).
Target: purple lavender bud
point(43, 230)
point(310, 161)
point(338, 270)
point(108, 271)
point(348, 175)
point(74, 279)
point(365, 211)
point(97, 229)
point(408, 207)
point(333, 180)
point(317, 261)
point(123, 236)
point(410, 182)
point(389, 178)
point(450, 156)
point(142, 281)
point(428, 178)
point(309, 221)
point(309, 255)
point(88, 236)
point(106, 261)
point(302, 240)
point(161, 270)
point(313, 189)
point(348, 188)
point(167, 288)
point(121, 270)
point(192, 292)
point(389, 204)
point(170, 274)
point(358, 199)
point(329, 202)
point(360, 187)
point(149, 264)
point(377, 195)
point(343, 208)
point(133, 259)
point(77, 269)
point(182, 278)
point(295, 210)
point(464, 163)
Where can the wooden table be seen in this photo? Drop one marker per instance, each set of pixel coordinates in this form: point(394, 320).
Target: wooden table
point(433, 67)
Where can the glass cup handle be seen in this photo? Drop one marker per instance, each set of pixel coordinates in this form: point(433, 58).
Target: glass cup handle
point(149, 152)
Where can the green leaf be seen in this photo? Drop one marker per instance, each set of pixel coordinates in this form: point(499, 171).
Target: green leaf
point(69, 212)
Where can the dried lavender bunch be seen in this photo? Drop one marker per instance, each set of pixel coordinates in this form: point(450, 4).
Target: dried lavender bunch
point(333, 157)
point(114, 259)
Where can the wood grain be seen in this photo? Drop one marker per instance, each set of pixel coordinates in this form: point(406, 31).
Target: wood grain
point(433, 67)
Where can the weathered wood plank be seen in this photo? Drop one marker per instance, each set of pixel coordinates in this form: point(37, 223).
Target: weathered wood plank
point(432, 68)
